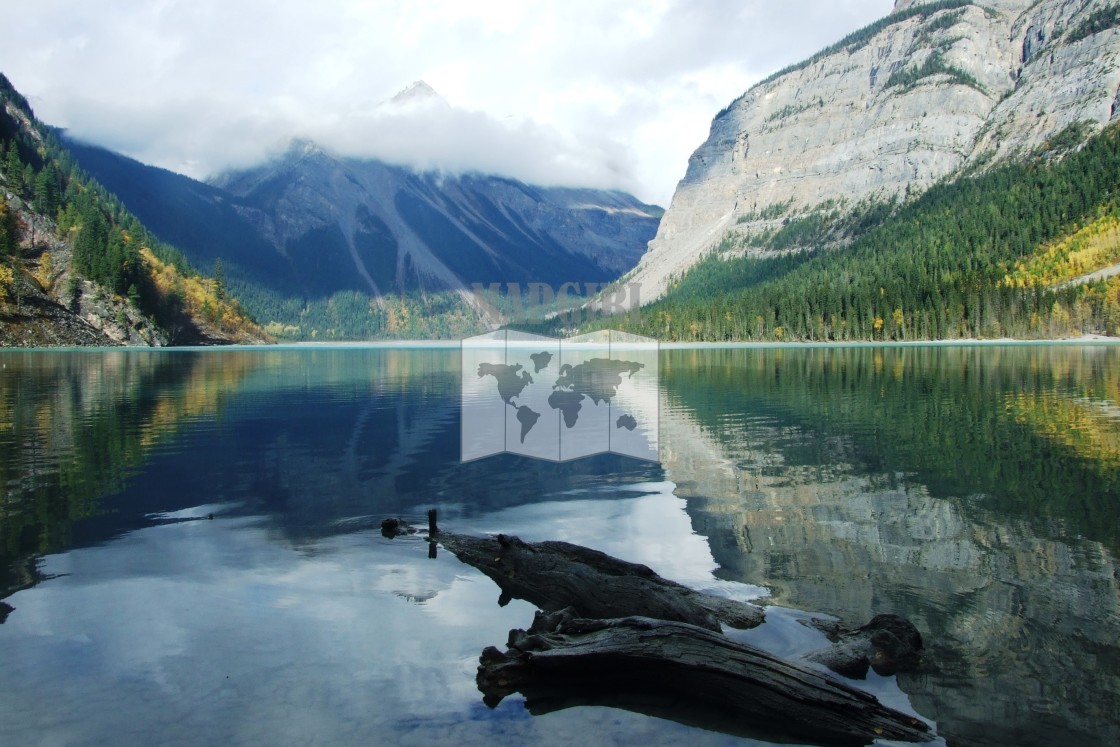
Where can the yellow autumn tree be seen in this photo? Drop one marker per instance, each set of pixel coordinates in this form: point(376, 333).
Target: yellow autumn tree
point(898, 319)
point(45, 275)
point(5, 281)
point(1089, 248)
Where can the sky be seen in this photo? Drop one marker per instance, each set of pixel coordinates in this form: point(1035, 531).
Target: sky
point(595, 93)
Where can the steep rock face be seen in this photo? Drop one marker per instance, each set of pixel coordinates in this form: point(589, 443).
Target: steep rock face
point(920, 95)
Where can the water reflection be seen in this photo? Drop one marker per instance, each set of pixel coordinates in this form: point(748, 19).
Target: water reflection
point(973, 490)
point(76, 426)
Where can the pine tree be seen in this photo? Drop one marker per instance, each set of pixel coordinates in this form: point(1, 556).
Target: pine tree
point(89, 246)
point(13, 166)
point(219, 280)
point(47, 191)
point(9, 231)
point(26, 184)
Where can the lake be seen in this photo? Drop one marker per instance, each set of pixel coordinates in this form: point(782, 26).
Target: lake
point(191, 549)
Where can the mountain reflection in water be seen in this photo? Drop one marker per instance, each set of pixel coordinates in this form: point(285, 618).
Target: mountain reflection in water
point(971, 489)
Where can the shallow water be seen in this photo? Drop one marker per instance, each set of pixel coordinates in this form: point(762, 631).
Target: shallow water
point(972, 489)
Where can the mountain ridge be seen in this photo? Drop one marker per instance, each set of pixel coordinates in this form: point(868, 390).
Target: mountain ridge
point(307, 225)
point(926, 93)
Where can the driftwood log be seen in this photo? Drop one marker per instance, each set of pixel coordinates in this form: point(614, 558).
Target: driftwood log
point(687, 674)
point(557, 575)
point(616, 634)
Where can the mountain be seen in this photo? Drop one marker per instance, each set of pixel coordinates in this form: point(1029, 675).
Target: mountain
point(387, 228)
point(417, 93)
point(931, 93)
point(317, 245)
point(76, 268)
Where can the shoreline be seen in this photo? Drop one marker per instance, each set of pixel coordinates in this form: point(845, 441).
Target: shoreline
point(1084, 340)
point(963, 342)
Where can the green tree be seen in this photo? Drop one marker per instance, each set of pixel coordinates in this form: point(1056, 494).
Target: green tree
point(13, 166)
point(219, 280)
point(89, 246)
point(47, 196)
point(9, 231)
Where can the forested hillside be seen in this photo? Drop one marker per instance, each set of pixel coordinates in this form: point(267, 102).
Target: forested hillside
point(71, 255)
point(989, 255)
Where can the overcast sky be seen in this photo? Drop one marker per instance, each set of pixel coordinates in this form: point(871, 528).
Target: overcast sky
point(601, 93)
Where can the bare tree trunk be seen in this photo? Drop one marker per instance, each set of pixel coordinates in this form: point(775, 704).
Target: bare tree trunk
point(687, 674)
point(555, 575)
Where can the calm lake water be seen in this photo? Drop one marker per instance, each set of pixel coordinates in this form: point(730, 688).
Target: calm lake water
point(975, 490)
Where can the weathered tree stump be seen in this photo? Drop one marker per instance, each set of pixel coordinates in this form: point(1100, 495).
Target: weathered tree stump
point(685, 673)
point(556, 575)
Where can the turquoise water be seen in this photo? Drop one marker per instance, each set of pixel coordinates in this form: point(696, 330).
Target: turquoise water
point(190, 538)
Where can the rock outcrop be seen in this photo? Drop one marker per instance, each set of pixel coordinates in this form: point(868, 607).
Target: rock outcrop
point(930, 90)
point(49, 306)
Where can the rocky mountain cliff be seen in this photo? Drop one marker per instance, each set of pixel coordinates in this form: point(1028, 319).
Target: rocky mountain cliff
point(929, 91)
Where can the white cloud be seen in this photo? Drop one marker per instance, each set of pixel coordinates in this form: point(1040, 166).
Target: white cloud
point(585, 92)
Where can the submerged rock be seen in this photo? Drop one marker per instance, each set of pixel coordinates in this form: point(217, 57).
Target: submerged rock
point(888, 644)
